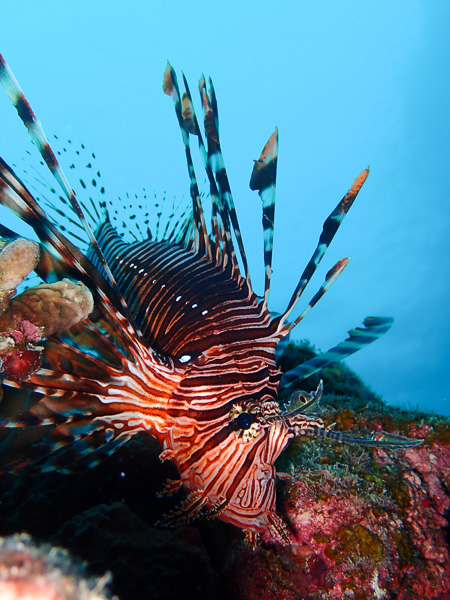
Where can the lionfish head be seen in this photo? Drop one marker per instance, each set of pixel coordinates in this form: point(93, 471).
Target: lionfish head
point(178, 345)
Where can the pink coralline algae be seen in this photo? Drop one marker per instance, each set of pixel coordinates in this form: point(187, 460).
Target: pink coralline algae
point(31, 571)
point(364, 524)
point(36, 313)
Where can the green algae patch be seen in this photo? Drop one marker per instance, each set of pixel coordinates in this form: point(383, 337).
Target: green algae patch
point(359, 543)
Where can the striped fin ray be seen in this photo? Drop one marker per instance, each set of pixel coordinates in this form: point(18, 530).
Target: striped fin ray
point(184, 303)
point(69, 453)
point(170, 87)
point(330, 278)
point(84, 453)
point(16, 197)
point(68, 260)
point(263, 179)
point(220, 222)
point(374, 328)
point(217, 164)
point(38, 136)
point(330, 227)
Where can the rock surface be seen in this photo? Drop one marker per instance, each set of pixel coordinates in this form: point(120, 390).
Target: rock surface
point(365, 523)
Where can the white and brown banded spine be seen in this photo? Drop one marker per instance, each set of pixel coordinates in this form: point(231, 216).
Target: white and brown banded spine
point(179, 345)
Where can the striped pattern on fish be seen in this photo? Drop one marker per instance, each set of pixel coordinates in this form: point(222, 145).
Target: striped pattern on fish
point(179, 344)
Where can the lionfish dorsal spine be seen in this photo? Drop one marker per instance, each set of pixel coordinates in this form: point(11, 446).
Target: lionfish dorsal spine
point(330, 227)
point(219, 215)
point(38, 136)
point(188, 123)
point(263, 179)
point(330, 278)
point(220, 221)
point(216, 163)
point(201, 238)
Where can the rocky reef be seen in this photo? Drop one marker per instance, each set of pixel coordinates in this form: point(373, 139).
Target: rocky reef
point(36, 313)
point(365, 523)
point(32, 571)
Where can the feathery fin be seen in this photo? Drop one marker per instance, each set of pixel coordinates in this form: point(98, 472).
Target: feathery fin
point(38, 136)
point(374, 328)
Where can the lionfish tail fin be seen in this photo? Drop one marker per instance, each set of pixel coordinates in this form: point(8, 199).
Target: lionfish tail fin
point(374, 328)
point(330, 227)
point(263, 179)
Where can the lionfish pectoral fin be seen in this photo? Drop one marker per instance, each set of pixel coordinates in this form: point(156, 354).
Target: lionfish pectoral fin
point(263, 179)
point(84, 454)
point(279, 529)
point(75, 443)
point(197, 505)
point(170, 487)
point(27, 204)
point(374, 328)
point(187, 511)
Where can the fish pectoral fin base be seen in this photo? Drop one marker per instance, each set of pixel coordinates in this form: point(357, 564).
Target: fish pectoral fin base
point(196, 506)
point(277, 529)
point(170, 487)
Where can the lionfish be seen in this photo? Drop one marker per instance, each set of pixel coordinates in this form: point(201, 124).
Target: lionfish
point(179, 345)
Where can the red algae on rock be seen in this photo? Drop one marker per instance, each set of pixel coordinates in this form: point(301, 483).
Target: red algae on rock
point(36, 313)
point(32, 571)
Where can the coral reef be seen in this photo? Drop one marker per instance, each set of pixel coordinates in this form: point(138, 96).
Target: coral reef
point(36, 313)
point(364, 523)
point(30, 571)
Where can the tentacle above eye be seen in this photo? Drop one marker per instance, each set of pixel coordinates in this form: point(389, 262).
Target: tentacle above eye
point(301, 401)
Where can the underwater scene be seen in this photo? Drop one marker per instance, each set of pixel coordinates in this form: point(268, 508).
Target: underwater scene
point(201, 395)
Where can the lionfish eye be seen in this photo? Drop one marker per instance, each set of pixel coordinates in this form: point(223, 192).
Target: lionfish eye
point(244, 420)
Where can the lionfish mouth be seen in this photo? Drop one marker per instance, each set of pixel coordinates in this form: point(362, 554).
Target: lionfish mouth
point(178, 343)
